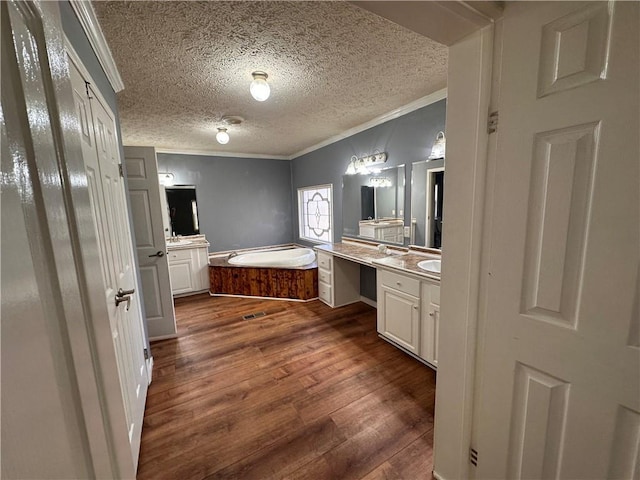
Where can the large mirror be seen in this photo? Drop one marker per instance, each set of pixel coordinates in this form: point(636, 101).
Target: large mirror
point(427, 194)
point(373, 205)
point(182, 209)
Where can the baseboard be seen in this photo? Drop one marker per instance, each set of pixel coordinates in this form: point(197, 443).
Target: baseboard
point(437, 476)
point(368, 301)
point(163, 337)
point(150, 369)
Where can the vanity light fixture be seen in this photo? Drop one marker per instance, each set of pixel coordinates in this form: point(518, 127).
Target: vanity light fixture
point(380, 182)
point(166, 178)
point(259, 88)
point(222, 136)
point(363, 165)
point(439, 146)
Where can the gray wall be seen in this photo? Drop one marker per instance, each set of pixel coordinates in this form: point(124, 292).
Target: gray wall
point(406, 139)
point(242, 202)
point(76, 36)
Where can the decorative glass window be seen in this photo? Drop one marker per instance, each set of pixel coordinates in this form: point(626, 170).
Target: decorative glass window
point(314, 207)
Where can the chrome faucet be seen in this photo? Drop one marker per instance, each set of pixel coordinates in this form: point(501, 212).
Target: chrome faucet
point(232, 254)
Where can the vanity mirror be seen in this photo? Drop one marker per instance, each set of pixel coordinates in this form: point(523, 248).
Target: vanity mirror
point(373, 205)
point(182, 208)
point(427, 194)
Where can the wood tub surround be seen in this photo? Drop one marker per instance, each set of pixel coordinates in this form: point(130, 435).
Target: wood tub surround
point(284, 283)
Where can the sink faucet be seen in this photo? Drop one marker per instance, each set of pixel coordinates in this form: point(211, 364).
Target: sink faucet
point(232, 254)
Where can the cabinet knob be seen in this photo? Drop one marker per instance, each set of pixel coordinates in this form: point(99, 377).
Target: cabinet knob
point(398, 283)
point(415, 307)
point(431, 314)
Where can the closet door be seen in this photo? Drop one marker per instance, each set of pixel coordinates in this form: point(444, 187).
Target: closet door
point(106, 189)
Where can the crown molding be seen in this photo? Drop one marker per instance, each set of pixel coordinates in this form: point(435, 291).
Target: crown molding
point(398, 112)
point(89, 22)
point(211, 153)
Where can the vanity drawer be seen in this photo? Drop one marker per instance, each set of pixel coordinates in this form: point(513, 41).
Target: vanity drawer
point(324, 293)
point(324, 276)
point(399, 282)
point(180, 254)
point(325, 261)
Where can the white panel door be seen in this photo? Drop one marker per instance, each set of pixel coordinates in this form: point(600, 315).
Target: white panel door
point(560, 363)
point(107, 195)
point(144, 193)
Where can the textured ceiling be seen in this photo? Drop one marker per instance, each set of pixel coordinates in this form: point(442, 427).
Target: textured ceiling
point(332, 66)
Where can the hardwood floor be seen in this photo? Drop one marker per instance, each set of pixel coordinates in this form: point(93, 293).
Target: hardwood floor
point(304, 392)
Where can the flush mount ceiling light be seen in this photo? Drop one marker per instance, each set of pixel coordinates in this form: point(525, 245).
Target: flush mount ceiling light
point(222, 136)
point(259, 88)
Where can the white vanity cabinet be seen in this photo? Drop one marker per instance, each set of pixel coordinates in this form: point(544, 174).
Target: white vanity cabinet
point(399, 310)
point(338, 280)
point(408, 313)
point(188, 269)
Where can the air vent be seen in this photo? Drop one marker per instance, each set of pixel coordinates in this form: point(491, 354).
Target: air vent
point(473, 457)
point(251, 316)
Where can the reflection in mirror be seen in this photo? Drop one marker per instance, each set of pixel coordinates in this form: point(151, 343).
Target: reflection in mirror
point(427, 194)
point(183, 209)
point(373, 205)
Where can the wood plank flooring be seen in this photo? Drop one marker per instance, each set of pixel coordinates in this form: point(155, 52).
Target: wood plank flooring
point(304, 392)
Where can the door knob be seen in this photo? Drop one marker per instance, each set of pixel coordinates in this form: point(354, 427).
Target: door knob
point(121, 293)
point(159, 253)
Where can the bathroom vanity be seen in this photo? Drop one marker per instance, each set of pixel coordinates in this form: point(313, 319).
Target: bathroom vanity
point(408, 305)
point(188, 260)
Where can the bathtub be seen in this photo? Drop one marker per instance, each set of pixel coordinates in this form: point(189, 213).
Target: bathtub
point(293, 257)
point(290, 274)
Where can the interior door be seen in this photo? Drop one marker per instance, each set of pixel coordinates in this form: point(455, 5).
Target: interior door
point(144, 192)
point(107, 195)
point(560, 364)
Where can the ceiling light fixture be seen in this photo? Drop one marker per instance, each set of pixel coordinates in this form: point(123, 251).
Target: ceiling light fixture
point(259, 88)
point(222, 136)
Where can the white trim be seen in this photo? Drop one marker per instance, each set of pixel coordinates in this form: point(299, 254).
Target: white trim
point(437, 476)
point(368, 301)
point(89, 22)
point(232, 295)
point(149, 369)
point(398, 112)
point(77, 61)
point(163, 337)
point(213, 153)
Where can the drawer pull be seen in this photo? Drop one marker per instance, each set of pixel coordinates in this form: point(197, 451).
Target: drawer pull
point(398, 283)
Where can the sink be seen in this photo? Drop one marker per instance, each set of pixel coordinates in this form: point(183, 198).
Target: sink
point(179, 243)
point(432, 266)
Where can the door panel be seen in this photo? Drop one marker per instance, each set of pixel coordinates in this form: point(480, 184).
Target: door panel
point(560, 379)
point(144, 194)
point(100, 155)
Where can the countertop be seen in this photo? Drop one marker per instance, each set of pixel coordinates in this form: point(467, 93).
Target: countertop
point(405, 262)
point(195, 241)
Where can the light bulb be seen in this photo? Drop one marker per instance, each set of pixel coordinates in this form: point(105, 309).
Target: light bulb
point(259, 88)
point(222, 136)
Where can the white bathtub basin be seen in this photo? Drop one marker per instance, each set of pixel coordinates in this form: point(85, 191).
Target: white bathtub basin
point(432, 266)
point(292, 257)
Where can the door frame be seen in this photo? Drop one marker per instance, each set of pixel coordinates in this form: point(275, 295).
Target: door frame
point(88, 334)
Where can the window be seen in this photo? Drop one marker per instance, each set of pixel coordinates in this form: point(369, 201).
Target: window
point(314, 207)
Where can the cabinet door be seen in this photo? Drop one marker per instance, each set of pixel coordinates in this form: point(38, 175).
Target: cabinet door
point(430, 334)
point(181, 275)
point(399, 318)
